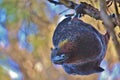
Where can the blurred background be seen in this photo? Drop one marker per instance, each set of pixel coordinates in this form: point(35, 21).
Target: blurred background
point(26, 28)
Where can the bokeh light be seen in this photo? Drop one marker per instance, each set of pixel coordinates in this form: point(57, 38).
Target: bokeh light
point(25, 31)
point(11, 67)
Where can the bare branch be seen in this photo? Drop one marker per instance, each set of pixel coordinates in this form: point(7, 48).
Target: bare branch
point(91, 11)
point(118, 1)
point(109, 25)
point(117, 13)
point(84, 8)
point(67, 3)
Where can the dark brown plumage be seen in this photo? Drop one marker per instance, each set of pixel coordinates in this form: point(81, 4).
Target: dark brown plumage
point(78, 47)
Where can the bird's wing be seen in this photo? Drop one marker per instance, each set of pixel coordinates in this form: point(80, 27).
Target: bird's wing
point(60, 31)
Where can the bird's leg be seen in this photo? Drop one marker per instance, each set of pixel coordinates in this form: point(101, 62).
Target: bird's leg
point(79, 12)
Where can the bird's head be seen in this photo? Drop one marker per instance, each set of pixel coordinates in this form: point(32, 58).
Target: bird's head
point(62, 53)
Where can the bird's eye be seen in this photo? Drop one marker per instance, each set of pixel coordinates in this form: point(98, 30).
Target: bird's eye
point(62, 55)
point(59, 57)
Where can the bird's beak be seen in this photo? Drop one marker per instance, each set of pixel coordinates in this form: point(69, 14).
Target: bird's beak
point(58, 59)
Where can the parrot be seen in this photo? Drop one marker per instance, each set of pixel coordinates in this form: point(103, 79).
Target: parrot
point(78, 47)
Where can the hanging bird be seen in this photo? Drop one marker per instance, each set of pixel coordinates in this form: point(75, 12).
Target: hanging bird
point(78, 47)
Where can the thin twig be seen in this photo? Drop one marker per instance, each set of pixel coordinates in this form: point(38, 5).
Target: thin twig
point(55, 2)
point(117, 13)
point(116, 8)
point(109, 3)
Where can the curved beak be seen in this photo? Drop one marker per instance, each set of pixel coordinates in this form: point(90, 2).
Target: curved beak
point(58, 59)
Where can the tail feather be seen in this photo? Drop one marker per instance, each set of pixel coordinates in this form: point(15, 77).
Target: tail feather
point(99, 69)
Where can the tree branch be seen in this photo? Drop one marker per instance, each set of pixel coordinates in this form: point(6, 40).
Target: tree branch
point(84, 8)
point(67, 3)
point(117, 13)
point(109, 25)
